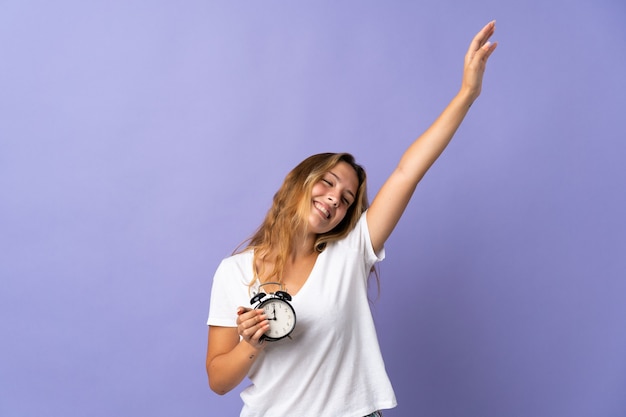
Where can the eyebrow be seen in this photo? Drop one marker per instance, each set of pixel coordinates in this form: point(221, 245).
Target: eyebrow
point(339, 179)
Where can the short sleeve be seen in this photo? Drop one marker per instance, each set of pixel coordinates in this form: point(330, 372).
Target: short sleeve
point(230, 289)
point(222, 311)
point(370, 256)
point(359, 239)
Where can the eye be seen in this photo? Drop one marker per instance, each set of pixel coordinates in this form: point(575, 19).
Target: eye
point(324, 180)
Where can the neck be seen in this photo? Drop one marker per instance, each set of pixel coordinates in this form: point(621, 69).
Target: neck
point(303, 249)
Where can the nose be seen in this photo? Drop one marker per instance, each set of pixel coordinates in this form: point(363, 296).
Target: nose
point(333, 200)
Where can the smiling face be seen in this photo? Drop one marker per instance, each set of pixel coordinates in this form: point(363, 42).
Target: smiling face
point(331, 197)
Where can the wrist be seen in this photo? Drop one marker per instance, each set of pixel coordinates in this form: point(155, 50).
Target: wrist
point(251, 349)
point(466, 96)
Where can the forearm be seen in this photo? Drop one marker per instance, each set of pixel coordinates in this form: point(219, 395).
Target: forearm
point(424, 151)
point(226, 371)
point(393, 197)
point(427, 148)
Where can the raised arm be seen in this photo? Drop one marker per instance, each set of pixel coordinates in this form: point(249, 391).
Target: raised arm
point(392, 199)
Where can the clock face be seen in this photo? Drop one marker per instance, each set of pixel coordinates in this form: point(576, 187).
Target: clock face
point(281, 316)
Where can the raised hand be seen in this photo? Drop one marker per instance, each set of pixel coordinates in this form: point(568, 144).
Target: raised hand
point(476, 60)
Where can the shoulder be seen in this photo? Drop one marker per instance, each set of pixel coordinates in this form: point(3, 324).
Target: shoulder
point(238, 265)
point(239, 258)
point(360, 230)
point(358, 239)
point(358, 236)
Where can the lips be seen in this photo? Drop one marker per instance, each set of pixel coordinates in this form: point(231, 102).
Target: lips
point(323, 209)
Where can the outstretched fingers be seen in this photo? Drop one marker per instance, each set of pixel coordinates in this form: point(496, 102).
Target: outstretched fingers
point(476, 59)
point(480, 45)
point(482, 37)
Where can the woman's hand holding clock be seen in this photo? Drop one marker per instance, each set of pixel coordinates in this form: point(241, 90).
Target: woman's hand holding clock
point(251, 325)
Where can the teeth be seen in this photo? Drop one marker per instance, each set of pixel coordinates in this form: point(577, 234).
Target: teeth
point(326, 212)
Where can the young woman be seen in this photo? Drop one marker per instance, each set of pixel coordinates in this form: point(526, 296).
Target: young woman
point(320, 241)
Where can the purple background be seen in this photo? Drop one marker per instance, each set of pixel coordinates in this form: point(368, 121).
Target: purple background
point(142, 141)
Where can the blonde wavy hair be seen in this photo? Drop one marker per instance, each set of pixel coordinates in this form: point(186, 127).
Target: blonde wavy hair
point(291, 206)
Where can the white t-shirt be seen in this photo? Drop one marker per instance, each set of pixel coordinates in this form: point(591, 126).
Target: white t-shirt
point(332, 365)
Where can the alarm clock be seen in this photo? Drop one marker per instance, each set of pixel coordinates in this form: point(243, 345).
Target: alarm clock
point(279, 313)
